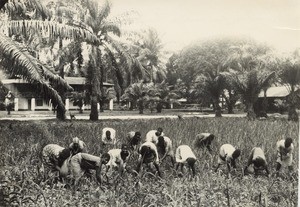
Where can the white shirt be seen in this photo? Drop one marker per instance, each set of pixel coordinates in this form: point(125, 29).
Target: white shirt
point(169, 148)
point(257, 152)
point(153, 147)
point(115, 158)
point(226, 151)
point(183, 152)
point(51, 150)
point(76, 160)
point(151, 136)
point(286, 152)
point(112, 135)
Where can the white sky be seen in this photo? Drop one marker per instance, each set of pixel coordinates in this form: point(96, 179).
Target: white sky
point(180, 22)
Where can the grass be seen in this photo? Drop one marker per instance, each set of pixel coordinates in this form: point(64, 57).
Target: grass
point(22, 184)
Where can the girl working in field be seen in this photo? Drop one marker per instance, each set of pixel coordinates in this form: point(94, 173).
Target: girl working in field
point(134, 139)
point(116, 158)
point(83, 162)
point(204, 140)
point(165, 148)
point(228, 155)
point(152, 135)
point(184, 154)
point(147, 155)
point(258, 159)
point(285, 149)
point(108, 136)
point(77, 146)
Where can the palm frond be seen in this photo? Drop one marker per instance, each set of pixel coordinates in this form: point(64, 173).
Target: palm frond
point(113, 28)
point(51, 29)
point(30, 69)
point(104, 11)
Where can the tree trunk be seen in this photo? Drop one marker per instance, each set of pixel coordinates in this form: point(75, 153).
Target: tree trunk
point(94, 111)
point(101, 103)
point(159, 107)
point(60, 112)
point(292, 113)
point(250, 111)
point(218, 111)
point(230, 109)
point(141, 106)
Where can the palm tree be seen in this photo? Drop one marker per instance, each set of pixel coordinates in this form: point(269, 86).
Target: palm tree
point(212, 83)
point(163, 96)
point(17, 61)
point(249, 84)
point(138, 93)
point(46, 29)
point(290, 77)
point(150, 54)
point(106, 51)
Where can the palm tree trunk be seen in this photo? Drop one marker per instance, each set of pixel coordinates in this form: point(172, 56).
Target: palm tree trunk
point(61, 113)
point(159, 107)
point(218, 111)
point(250, 111)
point(94, 109)
point(141, 106)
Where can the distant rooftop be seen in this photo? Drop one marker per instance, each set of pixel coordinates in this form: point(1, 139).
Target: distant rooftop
point(276, 91)
point(70, 80)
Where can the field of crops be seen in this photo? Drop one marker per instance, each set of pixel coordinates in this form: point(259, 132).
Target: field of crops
point(21, 180)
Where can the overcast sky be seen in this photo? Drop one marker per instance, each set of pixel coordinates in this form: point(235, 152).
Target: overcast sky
point(180, 22)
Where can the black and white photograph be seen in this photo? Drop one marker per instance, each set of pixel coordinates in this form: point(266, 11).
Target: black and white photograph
point(139, 103)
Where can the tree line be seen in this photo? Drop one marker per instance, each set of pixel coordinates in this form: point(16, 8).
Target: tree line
point(44, 41)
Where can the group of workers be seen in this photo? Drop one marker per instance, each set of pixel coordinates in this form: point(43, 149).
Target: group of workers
point(74, 161)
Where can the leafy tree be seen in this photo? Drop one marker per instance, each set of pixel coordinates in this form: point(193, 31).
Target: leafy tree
point(172, 70)
point(250, 74)
point(290, 77)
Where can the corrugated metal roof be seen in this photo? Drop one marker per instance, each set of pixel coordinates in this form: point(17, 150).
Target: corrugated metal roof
point(279, 91)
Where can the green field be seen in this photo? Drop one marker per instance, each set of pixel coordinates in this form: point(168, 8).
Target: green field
point(22, 185)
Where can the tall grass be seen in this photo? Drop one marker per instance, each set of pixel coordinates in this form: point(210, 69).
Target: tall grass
point(22, 184)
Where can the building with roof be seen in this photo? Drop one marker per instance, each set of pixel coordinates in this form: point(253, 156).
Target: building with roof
point(276, 98)
point(27, 98)
point(275, 92)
